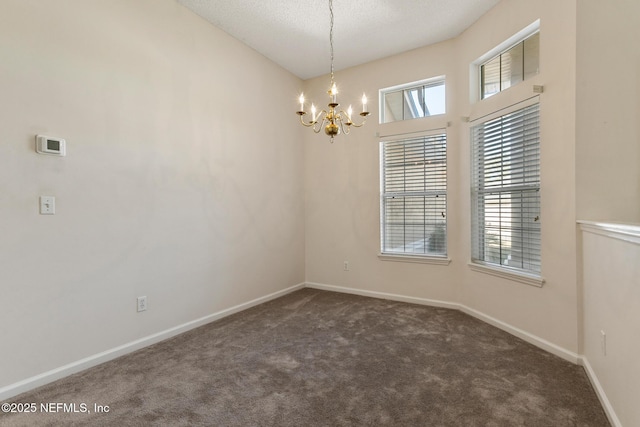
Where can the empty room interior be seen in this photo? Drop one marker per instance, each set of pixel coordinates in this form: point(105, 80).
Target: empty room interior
point(159, 192)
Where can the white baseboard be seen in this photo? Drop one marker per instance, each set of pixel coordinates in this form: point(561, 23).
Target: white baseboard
point(96, 359)
point(382, 295)
point(530, 338)
point(608, 409)
point(524, 335)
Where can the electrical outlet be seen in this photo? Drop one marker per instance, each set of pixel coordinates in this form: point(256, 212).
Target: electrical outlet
point(346, 266)
point(142, 303)
point(603, 342)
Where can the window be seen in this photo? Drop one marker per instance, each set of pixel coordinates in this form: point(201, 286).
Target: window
point(510, 67)
point(505, 227)
point(414, 196)
point(414, 100)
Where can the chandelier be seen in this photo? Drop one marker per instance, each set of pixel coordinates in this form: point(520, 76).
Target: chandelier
point(333, 121)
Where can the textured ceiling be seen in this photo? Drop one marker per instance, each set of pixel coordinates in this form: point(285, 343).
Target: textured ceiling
point(295, 33)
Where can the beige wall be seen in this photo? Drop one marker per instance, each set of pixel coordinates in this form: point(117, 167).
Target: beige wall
point(176, 185)
point(611, 305)
point(608, 189)
point(608, 110)
point(342, 180)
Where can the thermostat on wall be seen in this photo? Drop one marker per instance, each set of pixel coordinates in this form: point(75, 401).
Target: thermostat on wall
point(50, 145)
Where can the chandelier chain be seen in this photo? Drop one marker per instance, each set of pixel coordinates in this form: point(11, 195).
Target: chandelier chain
point(331, 37)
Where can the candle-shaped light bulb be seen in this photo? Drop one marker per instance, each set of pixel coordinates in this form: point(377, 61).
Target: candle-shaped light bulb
point(349, 112)
point(301, 99)
point(334, 92)
point(313, 113)
point(364, 103)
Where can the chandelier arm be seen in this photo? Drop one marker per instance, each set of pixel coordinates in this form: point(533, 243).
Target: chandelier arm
point(342, 114)
point(306, 124)
point(350, 122)
point(323, 114)
point(343, 129)
point(312, 123)
point(360, 125)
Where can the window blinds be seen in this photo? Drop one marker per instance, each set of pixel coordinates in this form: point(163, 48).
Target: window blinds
point(506, 190)
point(414, 198)
point(510, 67)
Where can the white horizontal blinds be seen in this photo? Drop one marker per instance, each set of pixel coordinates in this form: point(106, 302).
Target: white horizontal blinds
point(506, 190)
point(414, 196)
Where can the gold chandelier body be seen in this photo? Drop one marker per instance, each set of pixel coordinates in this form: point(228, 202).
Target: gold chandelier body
point(332, 121)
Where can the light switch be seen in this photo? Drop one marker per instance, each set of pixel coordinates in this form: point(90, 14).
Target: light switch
point(47, 205)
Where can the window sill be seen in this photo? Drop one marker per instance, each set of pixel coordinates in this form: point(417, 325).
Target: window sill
point(505, 273)
point(416, 259)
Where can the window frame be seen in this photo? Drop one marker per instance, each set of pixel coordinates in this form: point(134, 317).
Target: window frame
point(483, 66)
point(437, 136)
point(430, 82)
point(523, 275)
point(475, 81)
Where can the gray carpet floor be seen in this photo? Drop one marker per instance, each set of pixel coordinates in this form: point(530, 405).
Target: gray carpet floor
point(317, 358)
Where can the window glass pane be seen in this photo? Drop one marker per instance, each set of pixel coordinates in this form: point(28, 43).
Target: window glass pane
point(415, 225)
point(414, 199)
point(511, 67)
point(532, 56)
point(506, 190)
point(393, 106)
point(490, 77)
point(435, 99)
point(413, 103)
point(414, 100)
